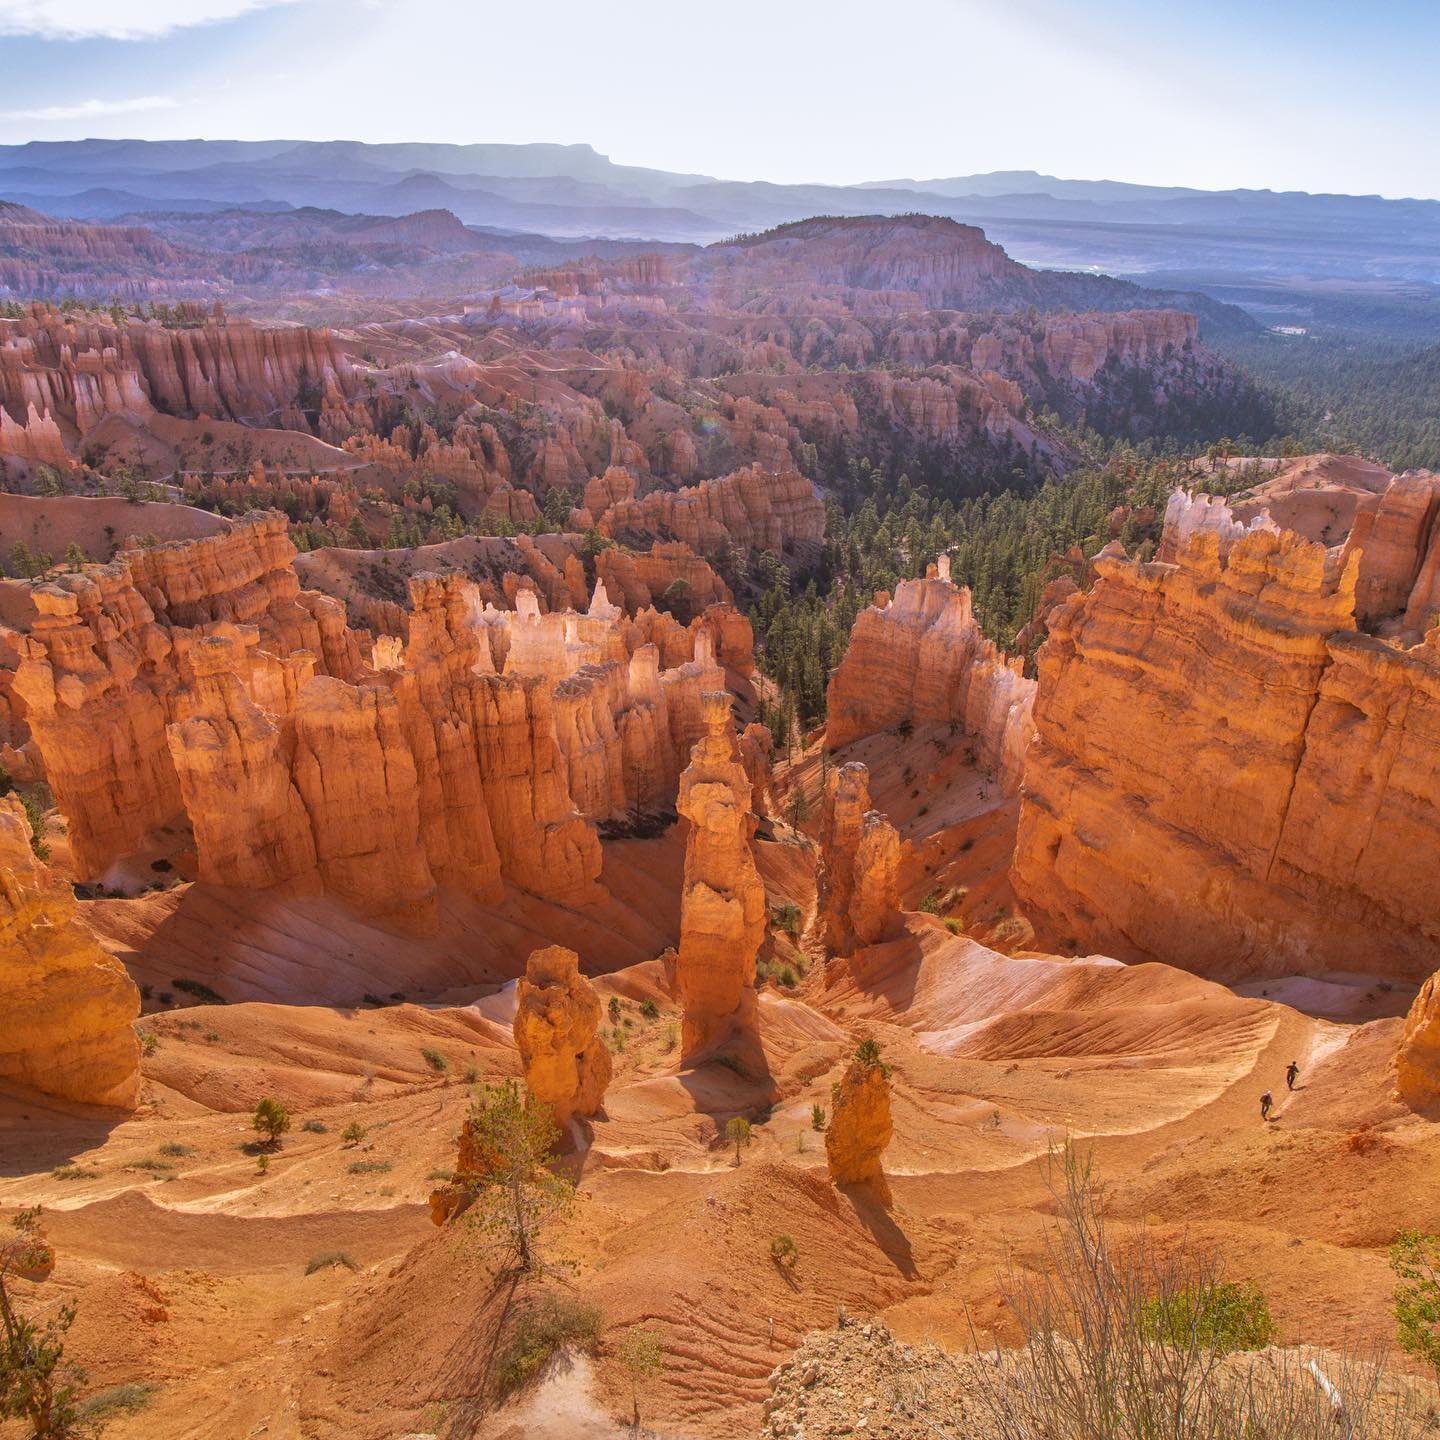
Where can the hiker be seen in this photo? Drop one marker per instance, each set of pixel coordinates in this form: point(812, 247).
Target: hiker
point(1266, 1101)
point(1292, 1073)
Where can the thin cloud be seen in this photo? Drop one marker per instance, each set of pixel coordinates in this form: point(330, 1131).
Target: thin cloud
point(87, 109)
point(119, 19)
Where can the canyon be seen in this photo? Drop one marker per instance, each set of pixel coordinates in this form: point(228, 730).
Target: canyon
point(391, 704)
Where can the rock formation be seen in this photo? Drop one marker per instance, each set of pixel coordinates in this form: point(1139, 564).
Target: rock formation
point(765, 510)
point(557, 1025)
point(1228, 776)
point(860, 1126)
point(722, 906)
point(68, 1006)
point(856, 892)
point(1417, 1065)
point(920, 657)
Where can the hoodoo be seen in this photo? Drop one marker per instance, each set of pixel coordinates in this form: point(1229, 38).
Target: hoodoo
point(557, 1025)
point(722, 906)
point(856, 897)
point(860, 1125)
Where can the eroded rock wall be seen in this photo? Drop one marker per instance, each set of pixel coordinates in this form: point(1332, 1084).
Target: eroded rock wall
point(920, 657)
point(68, 1007)
point(1228, 776)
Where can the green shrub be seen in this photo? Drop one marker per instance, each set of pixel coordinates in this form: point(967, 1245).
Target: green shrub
point(541, 1328)
point(1415, 1259)
point(172, 1147)
point(315, 1127)
point(784, 1252)
point(370, 1167)
point(867, 1052)
point(786, 917)
point(435, 1060)
point(649, 1009)
point(931, 903)
point(329, 1260)
point(353, 1133)
point(1224, 1317)
point(737, 1132)
point(75, 1172)
point(817, 1117)
point(200, 991)
point(271, 1119)
point(786, 977)
point(106, 1405)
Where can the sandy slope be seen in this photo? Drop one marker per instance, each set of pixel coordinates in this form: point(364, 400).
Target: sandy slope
point(189, 1264)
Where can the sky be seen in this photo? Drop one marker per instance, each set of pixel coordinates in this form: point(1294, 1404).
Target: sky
point(1320, 95)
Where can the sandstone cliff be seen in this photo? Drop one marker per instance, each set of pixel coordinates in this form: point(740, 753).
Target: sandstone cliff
point(68, 1007)
point(1227, 776)
point(920, 657)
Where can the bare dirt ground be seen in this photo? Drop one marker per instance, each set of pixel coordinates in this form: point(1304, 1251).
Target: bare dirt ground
point(189, 1262)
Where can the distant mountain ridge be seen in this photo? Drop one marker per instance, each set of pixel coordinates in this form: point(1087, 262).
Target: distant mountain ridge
point(569, 191)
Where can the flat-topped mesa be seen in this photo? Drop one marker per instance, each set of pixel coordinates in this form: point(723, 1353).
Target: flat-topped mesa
point(755, 508)
point(68, 1006)
point(557, 1030)
point(1230, 778)
point(722, 905)
point(920, 657)
point(856, 899)
point(860, 1126)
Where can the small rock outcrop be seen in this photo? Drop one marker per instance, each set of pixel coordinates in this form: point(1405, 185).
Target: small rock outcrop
point(67, 1006)
point(1417, 1065)
point(856, 898)
point(557, 1028)
point(722, 907)
point(860, 1125)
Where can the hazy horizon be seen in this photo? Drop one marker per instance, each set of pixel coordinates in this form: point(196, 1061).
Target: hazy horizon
point(1289, 97)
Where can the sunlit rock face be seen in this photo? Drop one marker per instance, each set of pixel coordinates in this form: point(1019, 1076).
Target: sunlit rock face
point(722, 907)
point(68, 1006)
point(1227, 775)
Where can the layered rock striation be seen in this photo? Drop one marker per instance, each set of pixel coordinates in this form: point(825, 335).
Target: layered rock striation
point(1227, 775)
point(920, 657)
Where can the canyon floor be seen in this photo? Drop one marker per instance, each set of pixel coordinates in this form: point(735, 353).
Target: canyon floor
point(194, 1268)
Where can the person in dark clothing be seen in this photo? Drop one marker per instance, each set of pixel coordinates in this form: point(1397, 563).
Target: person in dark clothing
point(1266, 1101)
point(1292, 1074)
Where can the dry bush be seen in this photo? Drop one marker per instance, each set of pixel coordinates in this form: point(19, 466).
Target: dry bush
point(1097, 1362)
